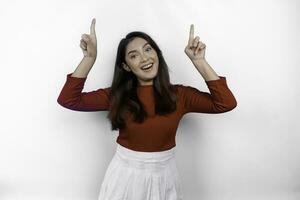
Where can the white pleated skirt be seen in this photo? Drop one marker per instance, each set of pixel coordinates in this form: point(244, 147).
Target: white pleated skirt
point(137, 175)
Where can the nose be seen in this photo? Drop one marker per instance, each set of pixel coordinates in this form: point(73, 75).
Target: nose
point(144, 57)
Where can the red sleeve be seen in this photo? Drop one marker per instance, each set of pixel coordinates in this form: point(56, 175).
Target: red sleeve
point(72, 97)
point(219, 100)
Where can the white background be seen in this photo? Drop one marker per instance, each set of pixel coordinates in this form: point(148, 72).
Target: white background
point(251, 152)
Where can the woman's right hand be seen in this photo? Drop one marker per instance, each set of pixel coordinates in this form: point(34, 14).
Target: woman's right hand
point(88, 42)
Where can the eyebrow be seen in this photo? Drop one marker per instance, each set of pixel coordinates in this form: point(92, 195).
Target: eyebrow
point(135, 50)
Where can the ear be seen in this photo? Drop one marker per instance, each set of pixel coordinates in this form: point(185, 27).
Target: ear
point(126, 67)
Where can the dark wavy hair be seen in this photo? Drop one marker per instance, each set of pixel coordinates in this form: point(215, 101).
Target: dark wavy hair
point(123, 91)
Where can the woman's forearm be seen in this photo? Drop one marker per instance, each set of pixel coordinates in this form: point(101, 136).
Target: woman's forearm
point(205, 70)
point(84, 67)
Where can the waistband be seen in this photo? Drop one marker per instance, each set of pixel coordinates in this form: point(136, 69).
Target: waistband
point(145, 157)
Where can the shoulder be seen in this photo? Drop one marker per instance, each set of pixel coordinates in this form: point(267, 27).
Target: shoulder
point(182, 89)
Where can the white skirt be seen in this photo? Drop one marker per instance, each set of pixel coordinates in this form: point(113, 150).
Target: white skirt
point(137, 175)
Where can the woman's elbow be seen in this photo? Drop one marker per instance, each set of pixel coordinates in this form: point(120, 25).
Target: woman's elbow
point(231, 106)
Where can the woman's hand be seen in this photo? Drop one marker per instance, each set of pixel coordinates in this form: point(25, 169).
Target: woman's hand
point(88, 42)
point(195, 49)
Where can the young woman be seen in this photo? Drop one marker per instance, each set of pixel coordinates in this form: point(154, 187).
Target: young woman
point(146, 109)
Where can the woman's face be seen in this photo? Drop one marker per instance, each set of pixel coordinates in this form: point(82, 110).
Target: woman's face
point(138, 55)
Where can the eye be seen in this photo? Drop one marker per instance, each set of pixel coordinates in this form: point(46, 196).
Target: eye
point(132, 56)
point(149, 48)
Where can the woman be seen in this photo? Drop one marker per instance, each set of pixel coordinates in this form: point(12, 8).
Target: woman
point(146, 109)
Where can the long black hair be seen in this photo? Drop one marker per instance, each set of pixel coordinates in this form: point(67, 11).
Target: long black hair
point(123, 91)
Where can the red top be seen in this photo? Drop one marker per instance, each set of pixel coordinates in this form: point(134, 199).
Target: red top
point(156, 133)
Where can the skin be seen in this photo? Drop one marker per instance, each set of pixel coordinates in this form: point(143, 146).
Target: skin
point(195, 50)
point(142, 54)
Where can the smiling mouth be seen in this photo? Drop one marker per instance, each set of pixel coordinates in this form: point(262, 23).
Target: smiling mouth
point(147, 67)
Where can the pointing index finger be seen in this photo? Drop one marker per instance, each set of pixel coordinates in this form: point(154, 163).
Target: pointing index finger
point(191, 34)
point(92, 28)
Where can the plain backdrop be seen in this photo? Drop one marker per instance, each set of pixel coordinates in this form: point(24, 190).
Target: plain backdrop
point(251, 152)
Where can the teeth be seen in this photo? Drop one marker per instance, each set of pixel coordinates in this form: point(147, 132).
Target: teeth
point(147, 66)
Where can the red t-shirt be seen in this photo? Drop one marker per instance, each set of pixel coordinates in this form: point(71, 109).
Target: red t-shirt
point(156, 133)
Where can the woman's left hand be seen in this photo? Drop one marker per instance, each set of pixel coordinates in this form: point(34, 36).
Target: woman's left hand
point(195, 49)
